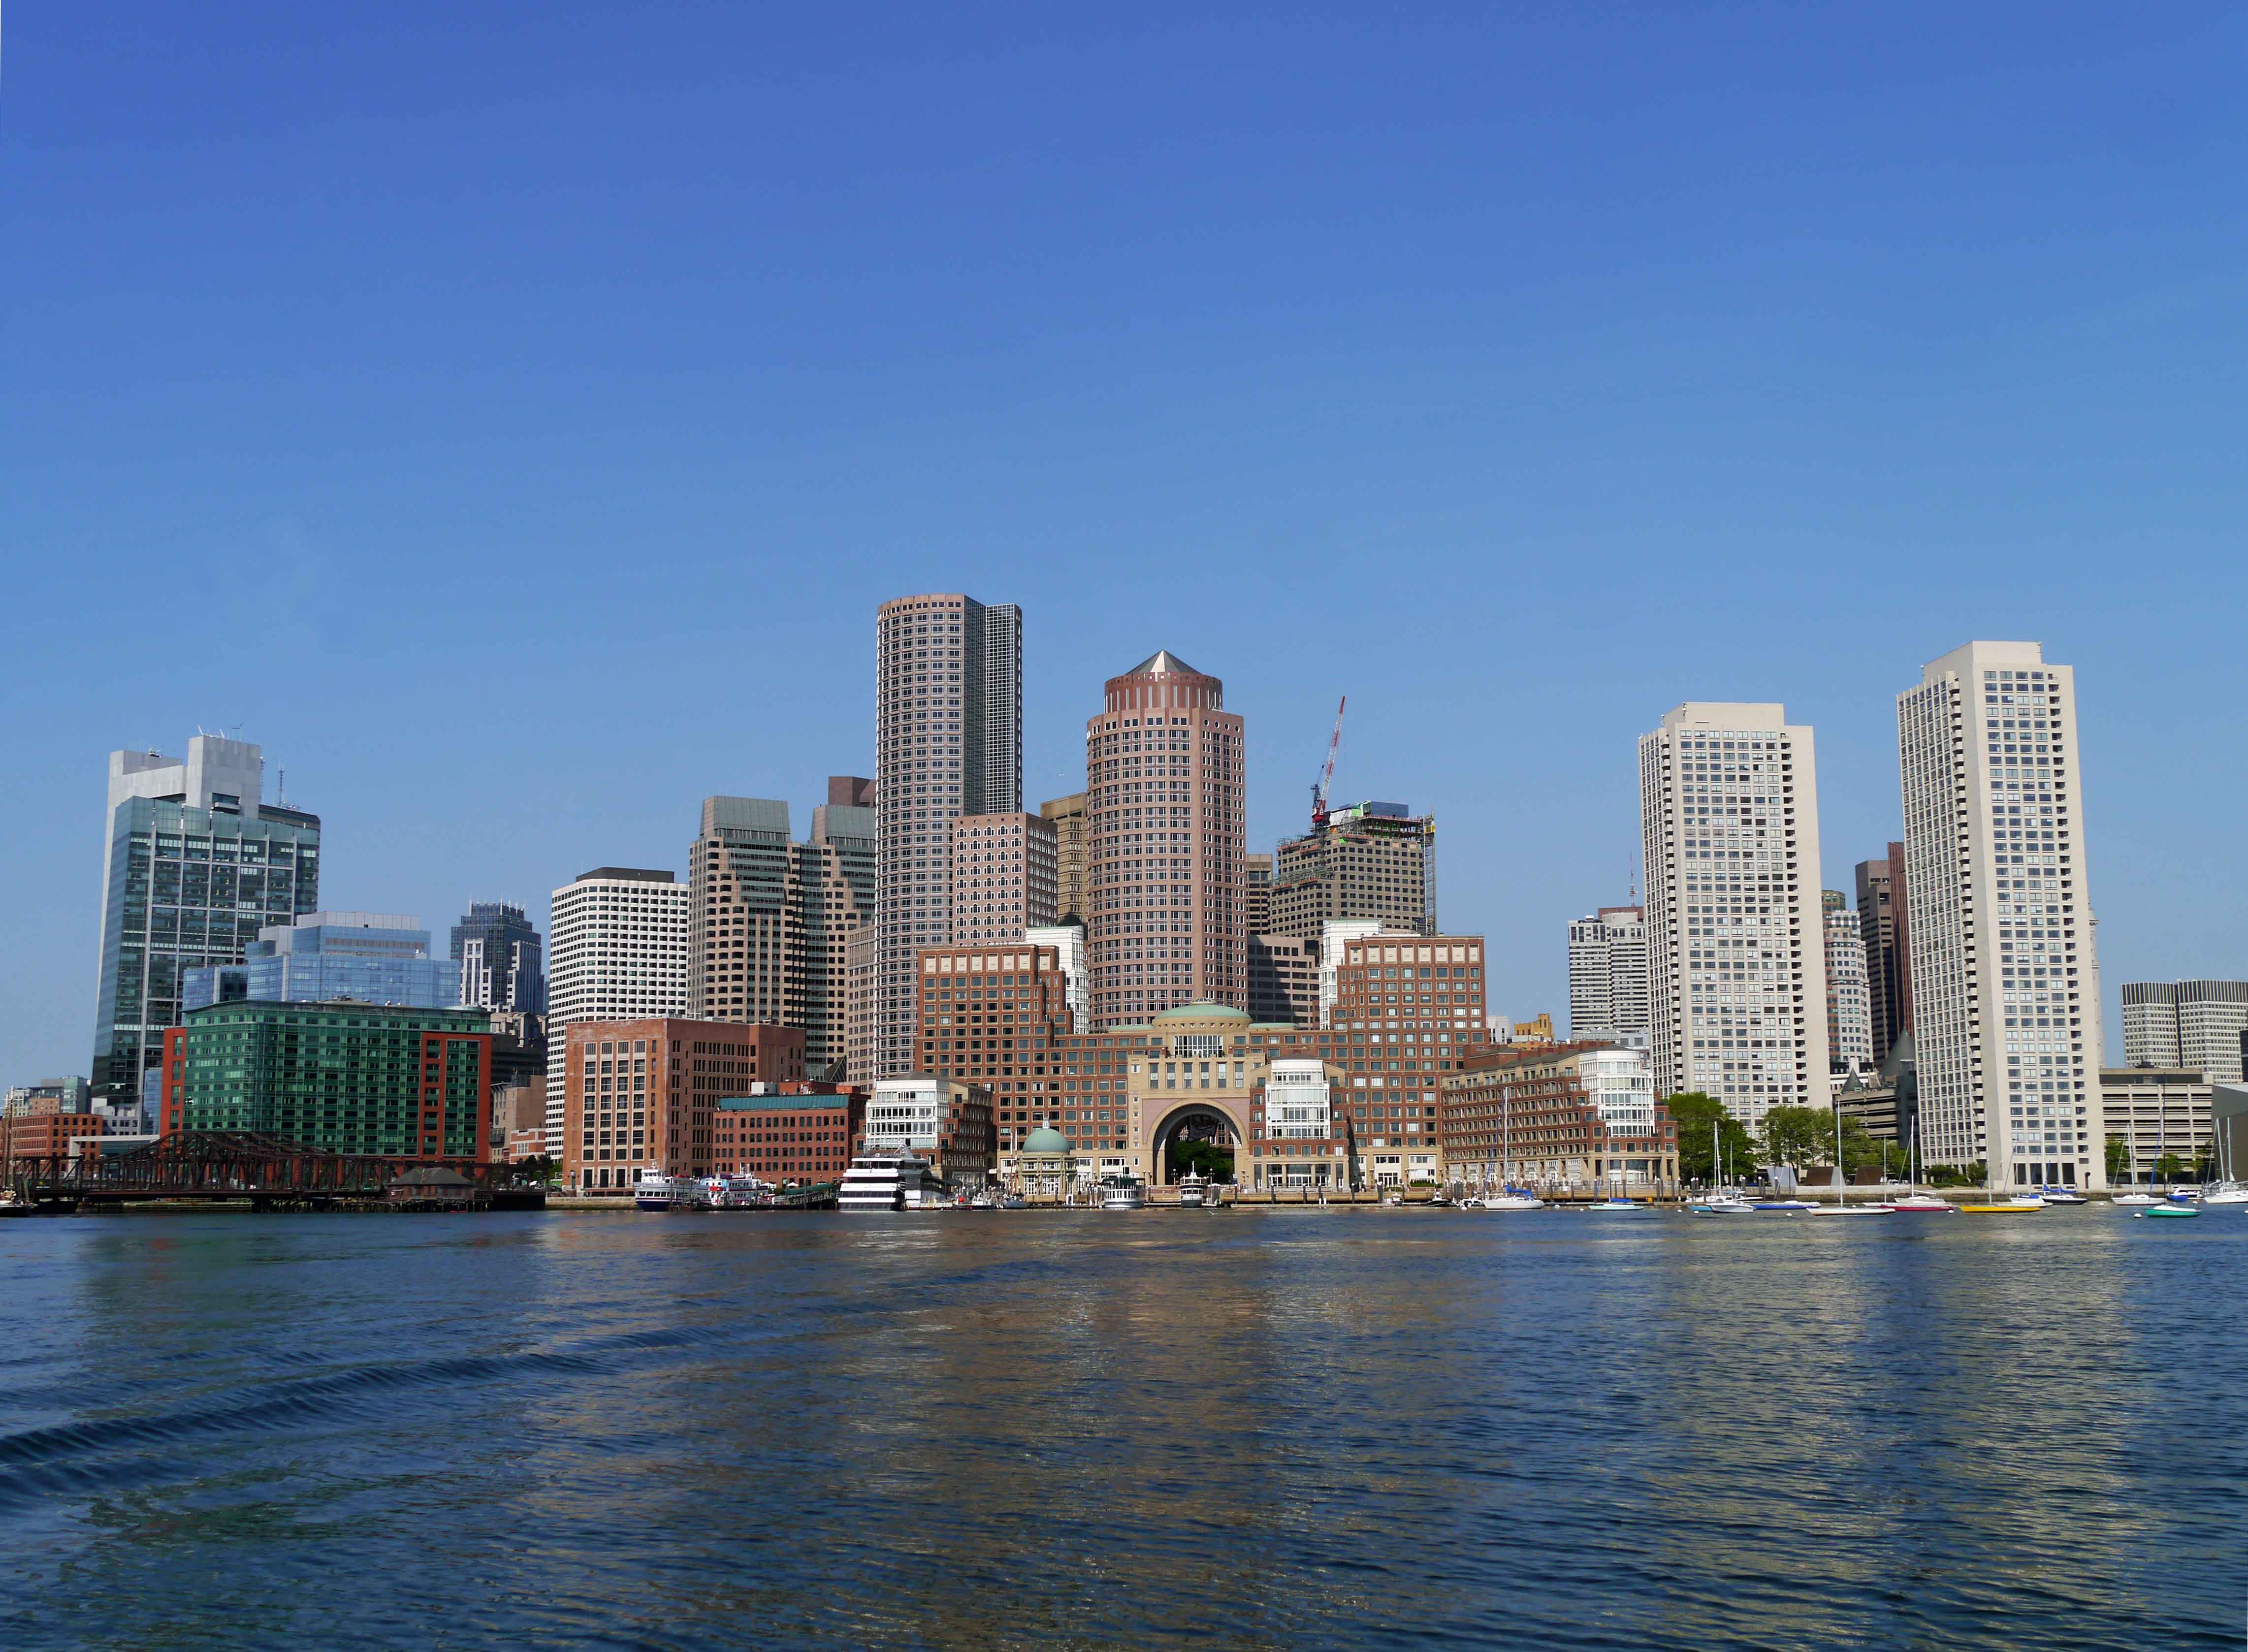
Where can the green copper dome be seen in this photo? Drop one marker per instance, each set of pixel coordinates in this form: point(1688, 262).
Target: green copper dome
point(1046, 1141)
point(1203, 1012)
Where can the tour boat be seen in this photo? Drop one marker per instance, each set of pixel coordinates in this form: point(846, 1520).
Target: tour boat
point(1194, 1191)
point(887, 1179)
point(1122, 1190)
point(2170, 1211)
point(653, 1192)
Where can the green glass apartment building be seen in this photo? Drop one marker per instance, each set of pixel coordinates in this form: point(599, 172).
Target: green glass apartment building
point(346, 1078)
point(195, 865)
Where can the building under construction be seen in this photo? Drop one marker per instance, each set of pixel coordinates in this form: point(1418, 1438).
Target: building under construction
point(1373, 861)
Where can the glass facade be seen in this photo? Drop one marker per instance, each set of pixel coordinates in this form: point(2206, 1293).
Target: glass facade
point(346, 1078)
point(186, 887)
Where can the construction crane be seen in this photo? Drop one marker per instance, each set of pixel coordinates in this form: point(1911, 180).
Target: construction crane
point(1327, 773)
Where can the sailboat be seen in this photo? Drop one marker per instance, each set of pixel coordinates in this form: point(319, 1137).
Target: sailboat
point(1508, 1199)
point(1842, 1205)
point(1915, 1200)
point(2226, 1190)
point(1725, 1201)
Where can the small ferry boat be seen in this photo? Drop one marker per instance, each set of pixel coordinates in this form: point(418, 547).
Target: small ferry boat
point(1194, 1191)
point(653, 1191)
point(884, 1180)
point(1122, 1190)
point(1724, 1202)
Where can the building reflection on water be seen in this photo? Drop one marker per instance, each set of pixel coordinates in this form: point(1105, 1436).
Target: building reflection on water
point(1085, 1427)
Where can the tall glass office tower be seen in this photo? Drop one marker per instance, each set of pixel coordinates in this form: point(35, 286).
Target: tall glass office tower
point(196, 865)
point(497, 947)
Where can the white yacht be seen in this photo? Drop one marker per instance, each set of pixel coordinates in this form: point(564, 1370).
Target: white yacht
point(1512, 1200)
point(884, 1180)
point(2226, 1193)
point(1724, 1202)
point(1194, 1191)
point(1122, 1190)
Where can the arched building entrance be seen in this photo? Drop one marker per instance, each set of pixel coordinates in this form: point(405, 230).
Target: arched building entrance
point(1215, 1122)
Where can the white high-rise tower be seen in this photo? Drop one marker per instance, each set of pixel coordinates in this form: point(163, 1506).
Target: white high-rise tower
point(2006, 982)
point(616, 951)
point(1607, 971)
point(1729, 810)
point(949, 741)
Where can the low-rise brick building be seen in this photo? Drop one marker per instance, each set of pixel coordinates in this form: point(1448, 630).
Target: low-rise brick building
point(642, 1096)
point(44, 1134)
point(1570, 1117)
point(787, 1133)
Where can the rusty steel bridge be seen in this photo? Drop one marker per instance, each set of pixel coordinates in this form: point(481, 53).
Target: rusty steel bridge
point(223, 1167)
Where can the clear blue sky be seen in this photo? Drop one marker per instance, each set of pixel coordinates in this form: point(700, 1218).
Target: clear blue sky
point(511, 415)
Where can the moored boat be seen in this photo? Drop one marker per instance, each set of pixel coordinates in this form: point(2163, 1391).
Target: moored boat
point(885, 1180)
point(1122, 1190)
point(2170, 1211)
point(1194, 1191)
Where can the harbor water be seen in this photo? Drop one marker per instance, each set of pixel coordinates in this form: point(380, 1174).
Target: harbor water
point(1252, 1428)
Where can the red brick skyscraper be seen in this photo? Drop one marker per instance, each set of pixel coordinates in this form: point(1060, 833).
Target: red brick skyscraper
point(1164, 823)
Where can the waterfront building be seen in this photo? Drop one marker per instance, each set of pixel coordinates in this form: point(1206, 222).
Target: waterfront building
point(1164, 777)
point(944, 1122)
point(1729, 816)
point(773, 918)
point(1299, 1138)
point(1849, 997)
point(1043, 1167)
point(1885, 928)
point(1335, 937)
point(496, 949)
point(196, 863)
point(1003, 877)
point(787, 1132)
point(619, 938)
point(392, 1079)
point(990, 1017)
point(1372, 860)
point(2005, 981)
point(1067, 940)
point(1408, 1009)
point(1608, 972)
point(641, 1094)
point(46, 1133)
point(1067, 815)
point(374, 957)
point(949, 741)
point(2199, 1025)
point(1578, 1117)
point(1284, 980)
point(2157, 1111)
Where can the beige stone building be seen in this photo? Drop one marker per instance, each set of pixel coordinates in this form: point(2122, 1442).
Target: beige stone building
point(1067, 816)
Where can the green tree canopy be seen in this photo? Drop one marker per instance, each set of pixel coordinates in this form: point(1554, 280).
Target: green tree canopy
point(1694, 1112)
point(2119, 1158)
point(1799, 1135)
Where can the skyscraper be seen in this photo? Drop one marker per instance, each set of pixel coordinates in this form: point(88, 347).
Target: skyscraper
point(196, 864)
point(949, 741)
point(1068, 817)
point(1608, 972)
point(772, 918)
point(1729, 813)
point(496, 946)
point(1003, 877)
point(1849, 1005)
point(2006, 984)
point(1883, 927)
point(2196, 1025)
point(619, 954)
point(1164, 822)
point(1370, 860)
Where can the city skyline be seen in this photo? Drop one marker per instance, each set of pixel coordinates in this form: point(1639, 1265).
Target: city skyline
point(1516, 959)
